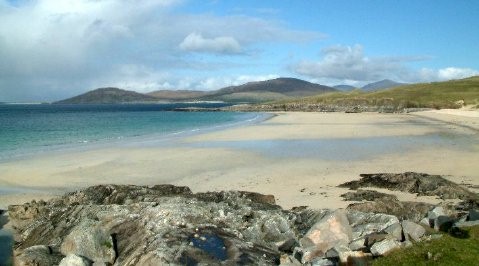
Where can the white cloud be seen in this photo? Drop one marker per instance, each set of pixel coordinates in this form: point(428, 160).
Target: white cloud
point(350, 65)
point(214, 83)
point(50, 49)
point(195, 42)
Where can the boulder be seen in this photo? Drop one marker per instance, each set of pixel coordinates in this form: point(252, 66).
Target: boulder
point(473, 215)
point(39, 255)
point(367, 223)
point(90, 241)
point(395, 230)
point(339, 252)
point(357, 244)
point(330, 231)
point(466, 224)
point(412, 230)
point(439, 220)
point(385, 246)
point(74, 260)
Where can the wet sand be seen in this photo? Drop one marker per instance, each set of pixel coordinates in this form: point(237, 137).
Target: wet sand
point(298, 157)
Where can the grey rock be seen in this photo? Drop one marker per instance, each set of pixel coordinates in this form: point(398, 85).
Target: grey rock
point(412, 230)
point(439, 220)
point(395, 230)
point(368, 195)
point(74, 260)
point(383, 247)
point(322, 262)
point(39, 255)
point(288, 260)
point(357, 244)
point(139, 225)
point(330, 231)
point(92, 241)
point(368, 223)
point(419, 183)
point(473, 215)
point(466, 224)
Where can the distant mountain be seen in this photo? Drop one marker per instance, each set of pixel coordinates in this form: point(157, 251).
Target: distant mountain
point(177, 95)
point(261, 91)
point(268, 90)
point(108, 95)
point(380, 85)
point(344, 87)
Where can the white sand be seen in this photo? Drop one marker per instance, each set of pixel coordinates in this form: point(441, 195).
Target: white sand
point(209, 161)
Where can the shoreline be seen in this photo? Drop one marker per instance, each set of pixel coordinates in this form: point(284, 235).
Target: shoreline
point(245, 157)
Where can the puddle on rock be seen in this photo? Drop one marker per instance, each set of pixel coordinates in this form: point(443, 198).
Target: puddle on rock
point(212, 245)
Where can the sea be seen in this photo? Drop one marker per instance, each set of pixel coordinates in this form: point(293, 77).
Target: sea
point(29, 129)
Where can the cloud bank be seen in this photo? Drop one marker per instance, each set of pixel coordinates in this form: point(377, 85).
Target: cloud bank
point(54, 49)
point(350, 64)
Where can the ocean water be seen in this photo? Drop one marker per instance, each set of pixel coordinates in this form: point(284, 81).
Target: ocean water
point(30, 129)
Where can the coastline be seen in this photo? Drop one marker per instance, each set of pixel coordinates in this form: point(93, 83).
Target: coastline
point(263, 157)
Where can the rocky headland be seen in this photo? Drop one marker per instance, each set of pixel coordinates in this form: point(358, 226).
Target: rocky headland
point(165, 224)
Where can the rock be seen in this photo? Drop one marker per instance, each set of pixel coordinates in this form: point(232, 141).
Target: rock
point(412, 230)
point(396, 231)
point(287, 260)
point(414, 211)
point(383, 247)
point(330, 231)
point(39, 255)
point(74, 260)
point(439, 220)
point(368, 195)
point(339, 252)
point(322, 262)
point(359, 258)
point(418, 183)
point(466, 224)
point(357, 244)
point(373, 238)
point(133, 225)
point(287, 245)
point(367, 223)
point(90, 241)
point(473, 215)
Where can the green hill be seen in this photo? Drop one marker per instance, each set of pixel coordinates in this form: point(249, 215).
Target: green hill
point(448, 94)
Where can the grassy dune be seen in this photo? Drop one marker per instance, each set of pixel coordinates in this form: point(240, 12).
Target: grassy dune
point(423, 95)
point(448, 250)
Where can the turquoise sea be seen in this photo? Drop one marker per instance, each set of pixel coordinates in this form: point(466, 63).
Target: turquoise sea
point(36, 128)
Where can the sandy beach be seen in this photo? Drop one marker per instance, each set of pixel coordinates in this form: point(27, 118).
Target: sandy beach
point(298, 157)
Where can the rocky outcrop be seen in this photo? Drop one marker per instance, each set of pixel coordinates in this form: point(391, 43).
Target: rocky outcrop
point(165, 224)
point(384, 203)
point(417, 183)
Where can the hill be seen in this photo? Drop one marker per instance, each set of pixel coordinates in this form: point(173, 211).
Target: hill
point(344, 87)
point(382, 84)
point(438, 95)
point(252, 92)
point(177, 95)
point(108, 95)
point(269, 90)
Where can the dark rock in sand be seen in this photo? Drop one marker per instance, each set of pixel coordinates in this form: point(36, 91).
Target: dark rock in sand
point(404, 210)
point(418, 183)
point(368, 195)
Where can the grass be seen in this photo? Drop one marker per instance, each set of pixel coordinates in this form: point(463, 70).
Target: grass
point(462, 249)
point(422, 95)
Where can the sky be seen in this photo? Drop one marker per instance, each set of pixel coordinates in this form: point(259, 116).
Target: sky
point(54, 49)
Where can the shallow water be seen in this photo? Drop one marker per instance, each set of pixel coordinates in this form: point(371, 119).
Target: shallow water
point(33, 129)
point(344, 149)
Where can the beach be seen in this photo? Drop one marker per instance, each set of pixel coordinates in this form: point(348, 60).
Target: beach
point(300, 158)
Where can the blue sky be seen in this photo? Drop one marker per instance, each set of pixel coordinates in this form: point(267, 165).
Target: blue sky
point(52, 49)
